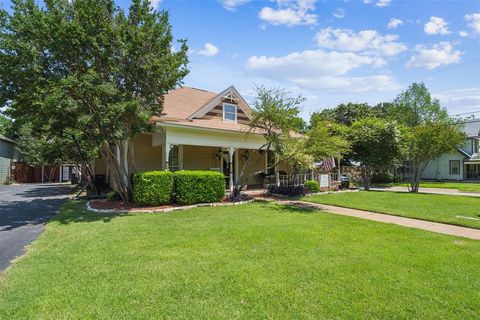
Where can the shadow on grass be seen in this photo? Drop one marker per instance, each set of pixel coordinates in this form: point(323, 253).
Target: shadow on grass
point(74, 211)
point(291, 207)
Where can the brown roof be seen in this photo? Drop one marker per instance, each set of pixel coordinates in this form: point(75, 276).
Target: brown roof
point(183, 102)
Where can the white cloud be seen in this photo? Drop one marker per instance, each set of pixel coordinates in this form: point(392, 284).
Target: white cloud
point(379, 3)
point(431, 58)
point(209, 50)
point(318, 69)
point(460, 100)
point(383, 3)
point(367, 41)
point(232, 4)
point(155, 3)
point(474, 21)
point(290, 13)
point(339, 13)
point(394, 23)
point(463, 34)
point(436, 25)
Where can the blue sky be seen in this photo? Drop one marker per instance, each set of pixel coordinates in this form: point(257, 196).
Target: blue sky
point(333, 51)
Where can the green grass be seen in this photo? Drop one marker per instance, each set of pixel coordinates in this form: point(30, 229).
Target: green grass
point(255, 261)
point(460, 186)
point(431, 207)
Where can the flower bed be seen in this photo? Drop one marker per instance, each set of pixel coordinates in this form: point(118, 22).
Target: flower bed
point(105, 206)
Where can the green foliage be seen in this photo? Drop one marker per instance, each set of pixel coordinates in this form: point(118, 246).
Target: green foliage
point(152, 188)
point(429, 132)
point(326, 139)
point(88, 67)
point(344, 114)
point(198, 187)
point(415, 106)
point(276, 115)
point(113, 195)
point(375, 145)
point(6, 126)
point(312, 186)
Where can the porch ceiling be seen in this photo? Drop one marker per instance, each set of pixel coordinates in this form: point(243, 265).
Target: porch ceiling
point(208, 138)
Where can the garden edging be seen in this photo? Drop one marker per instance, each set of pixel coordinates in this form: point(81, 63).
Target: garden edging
point(160, 210)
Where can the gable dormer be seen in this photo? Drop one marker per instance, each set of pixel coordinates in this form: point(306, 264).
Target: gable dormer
point(228, 106)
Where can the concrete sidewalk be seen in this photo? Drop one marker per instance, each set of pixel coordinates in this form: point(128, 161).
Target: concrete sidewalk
point(450, 192)
point(386, 218)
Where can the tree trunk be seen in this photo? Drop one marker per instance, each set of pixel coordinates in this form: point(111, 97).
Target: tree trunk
point(120, 176)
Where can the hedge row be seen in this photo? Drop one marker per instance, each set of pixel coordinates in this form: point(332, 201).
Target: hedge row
point(185, 187)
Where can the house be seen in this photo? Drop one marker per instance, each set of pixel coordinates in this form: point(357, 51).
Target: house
point(202, 130)
point(461, 165)
point(8, 155)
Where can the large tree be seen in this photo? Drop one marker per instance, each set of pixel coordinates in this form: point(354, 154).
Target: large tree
point(375, 146)
point(429, 132)
point(86, 65)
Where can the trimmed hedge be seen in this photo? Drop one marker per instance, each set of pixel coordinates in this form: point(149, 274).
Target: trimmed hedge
point(312, 186)
point(152, 188)
point(199, 186)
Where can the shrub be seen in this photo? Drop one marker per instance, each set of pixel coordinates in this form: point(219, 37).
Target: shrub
point(152, 188)
point(289, 191)
point(382, 177)
point(312, 186)
point(199, 186)
point(113, 195)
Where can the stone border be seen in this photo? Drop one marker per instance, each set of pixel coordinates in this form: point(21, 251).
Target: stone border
point(160, 210)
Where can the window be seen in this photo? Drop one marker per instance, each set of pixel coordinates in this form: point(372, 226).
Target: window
point(173, 159)
point(229, 112)
point(454, 166)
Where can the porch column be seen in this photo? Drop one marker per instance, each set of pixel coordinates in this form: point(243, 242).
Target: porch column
point(166, 155)
point(231, 150)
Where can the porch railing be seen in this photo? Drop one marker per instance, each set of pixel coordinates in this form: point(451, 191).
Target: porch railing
point(299, 179)
point(473, 175)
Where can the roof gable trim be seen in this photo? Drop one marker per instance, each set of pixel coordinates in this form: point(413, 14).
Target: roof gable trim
point(230, 94)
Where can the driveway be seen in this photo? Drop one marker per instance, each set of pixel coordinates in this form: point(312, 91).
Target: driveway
point(24, 210)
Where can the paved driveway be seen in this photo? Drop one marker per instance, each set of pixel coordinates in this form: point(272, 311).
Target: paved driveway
point(24, 210)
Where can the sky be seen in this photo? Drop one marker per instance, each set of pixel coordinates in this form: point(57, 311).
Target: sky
point(332, 52)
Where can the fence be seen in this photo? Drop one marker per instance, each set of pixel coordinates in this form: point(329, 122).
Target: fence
point(299, 179)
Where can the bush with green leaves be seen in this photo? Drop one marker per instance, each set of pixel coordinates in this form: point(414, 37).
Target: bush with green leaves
point(153, 188)
point(312, 186)
point(198, 186)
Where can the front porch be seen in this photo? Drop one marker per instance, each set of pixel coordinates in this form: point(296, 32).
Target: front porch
point(472, 170)
point(228, 152)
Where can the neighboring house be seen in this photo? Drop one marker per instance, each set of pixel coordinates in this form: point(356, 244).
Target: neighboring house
point(201, 130)
point(8, 154)
point(461, 165)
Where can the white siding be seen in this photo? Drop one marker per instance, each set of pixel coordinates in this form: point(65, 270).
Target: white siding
point(439, 169)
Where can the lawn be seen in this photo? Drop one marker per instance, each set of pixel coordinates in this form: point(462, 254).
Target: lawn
point(460, 186)
point(245, 262)
point(431, 207)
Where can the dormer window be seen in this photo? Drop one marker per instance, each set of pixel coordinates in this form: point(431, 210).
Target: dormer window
point(229, 112)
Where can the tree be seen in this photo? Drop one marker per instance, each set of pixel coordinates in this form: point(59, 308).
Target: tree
point(415, 106)
point(344, 114)
point(375, 146)
point(86, 66)
point(326, 139)
point(5, 126)
point(275, 115)
point(429, 132)
point(428, 141)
